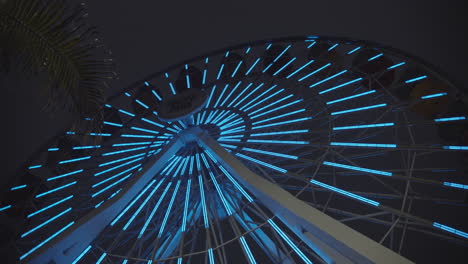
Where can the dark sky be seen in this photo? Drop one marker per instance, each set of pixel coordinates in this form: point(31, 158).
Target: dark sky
point(147, 36)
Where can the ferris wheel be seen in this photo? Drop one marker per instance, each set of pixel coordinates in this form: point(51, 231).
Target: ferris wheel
point(295, 150)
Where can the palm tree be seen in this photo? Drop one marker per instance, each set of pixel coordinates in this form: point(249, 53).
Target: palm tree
point(48, 37)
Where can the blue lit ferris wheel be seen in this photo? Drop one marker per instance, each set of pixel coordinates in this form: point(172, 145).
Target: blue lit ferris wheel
point(297, 150)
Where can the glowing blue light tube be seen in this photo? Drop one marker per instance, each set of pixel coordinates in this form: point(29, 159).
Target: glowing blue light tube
point(156, 95)
point(47, 240)
point(5, 207)
point(277, 108)
point(350, 97)
point(151, 122)
point(247, 250)
point(204, 160)
point(311, 44)
point(283, 122)
point(396, 65)
point(352, 195)
point(191, 165)
point(246, 195)
point(133, 202)
point(49, 206)
point(143, 204)
point(229, 118)
point(202, 198)
point(300, 69)
point(284, 66)
point(456, 147)
point(276, 59)
point(81, 255)
point(279, 116)
point(73, 160)
point(247, 96)
point(220, 71)
point(169, 208)
point(263, 100)
point(101, 258)
point(262, 163)
point(113, 124)
point(416, 79)
point(332, 47)
point(451, 230)
point(384, 173)
point(270, 105)
point(271, 153)
point(155, 209)
point(52, 149)
point(447, 119)
point(257, 97)
point(18, 187)
point(240, 94)
point(329, 78)
point(375, 57)
point(211, 95)
point(119, 160)
point(290, 243)
point(358, 109)
point(100, 134)
point(220, 193)
point(87, 147)
point(210, 256)
point(187, 198)
point(314, 72)
point(280, 133)
point(46, 222)
point(253, 66)
point(456, 185)
point(340, 85)
point(278, 141)
point(232, 91)
point(56, 189)
point(372, 145)
point(111, 185)
point(234, 130)
point(236, 69)
point(144, 130)
point(221, 95)
point(364, 126)
point(125, 112)
point(354, 50)
point(131, 144)
point(137, 136)
point(141, 103)
point(115, 176)
point(122, 151)
point(433, 95)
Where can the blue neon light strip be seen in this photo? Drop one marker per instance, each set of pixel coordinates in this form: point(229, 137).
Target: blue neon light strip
point(433, 95)
point(211, 95)
point(396, 65)
point(187, 198)
point(271, 153)
point(47, 240)
point(141, 103)
point(284, 66)
point(253, 91)
point(375, 57)
point(101, 258)
point(251, 67)
point(280, 133)
point(131, 144)
point(5, 207)
point(278, 141)
point(263, 100)
point(246, 195)
point(456, 147)
point(143, 205)
point(384, 173)
point(210, 256)
point(351, 97)
point(220, 193)
point(340, 85)
point(127, 113)
point(311, 44)
point(283, 122)
point(46, 222)
point(100, 134)
point(300, 69)
point(115, 176)
point(332, 47)
point(132, 203)
point(276, 59)
point(257, 97)
point(236, 69)
point(329, 78)
point(53, 149)
point(111, 185)
point(290, 243)
point(275, 109)
point(446, 119)
point(416, 79)
point(56, 189)
point(144, 130)
point(279, 116)
point(81, 255)
point(122, 159)
point(232, 91)
point(73, 160)
point(192, 158)
point(113, 124)
point(122, 151)
point(247, 250)
point(456, 185)
point(352, 195)
point(451, 230)
point(314, 72)
point(358, 109)
point(202, 198)
point(270, 105)
point(155, 209)
point(18, 187)
point(170, 83)
point(87, 147)
point(354, 50)
point(220, 96)
point(372, 145)
point(156, 95)
point(262, 163)
point(49, 206)
point(240, 94)
point(220, 71)
point(151, 122)
point(234, 130)
point(364, 126)
point(169, 208)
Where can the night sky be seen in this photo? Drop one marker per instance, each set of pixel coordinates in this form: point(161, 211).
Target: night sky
point(147, 36)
